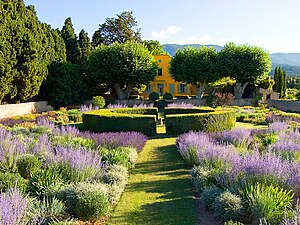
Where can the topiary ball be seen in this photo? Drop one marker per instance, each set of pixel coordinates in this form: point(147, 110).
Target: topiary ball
point(167, 96)
point(28, 165)
point(153, 96)
point(98, 101)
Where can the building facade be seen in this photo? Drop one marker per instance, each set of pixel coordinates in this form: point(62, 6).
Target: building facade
point(163, 82)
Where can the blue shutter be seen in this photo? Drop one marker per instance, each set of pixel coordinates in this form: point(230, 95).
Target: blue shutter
point(178, 90)
point(172, 88)
point(185, 89)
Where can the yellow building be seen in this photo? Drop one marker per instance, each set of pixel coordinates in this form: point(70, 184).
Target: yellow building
point(163, 82)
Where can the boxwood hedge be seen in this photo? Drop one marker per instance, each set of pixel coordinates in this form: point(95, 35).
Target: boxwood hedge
point(123, 119)
point(199, 120)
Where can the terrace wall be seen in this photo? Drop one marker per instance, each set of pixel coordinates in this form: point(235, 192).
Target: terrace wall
point(285, 105)
point(24, 108)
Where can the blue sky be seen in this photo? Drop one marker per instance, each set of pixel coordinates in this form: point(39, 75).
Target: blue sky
point(271, 24)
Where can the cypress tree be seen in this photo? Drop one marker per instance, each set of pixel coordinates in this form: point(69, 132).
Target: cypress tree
point(72, 46)
point(85, 46)
point(27, 48)
point(283, 84)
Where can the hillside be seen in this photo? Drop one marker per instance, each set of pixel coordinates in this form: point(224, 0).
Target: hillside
point(290, 62)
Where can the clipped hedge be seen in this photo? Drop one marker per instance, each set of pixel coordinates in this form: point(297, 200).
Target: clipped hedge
point(124, 119)
point(182, 110)
point(215, 120)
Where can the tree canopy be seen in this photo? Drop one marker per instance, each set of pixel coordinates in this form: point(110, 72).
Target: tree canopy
point(154, 47)
point(247, 64)
point(195, 66)
point(85, 46)
point(122, 65)
point(27, 47)
point(72, 46)
point(118, 29)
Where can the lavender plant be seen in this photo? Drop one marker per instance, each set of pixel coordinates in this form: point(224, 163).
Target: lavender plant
point(180, 105)
point(116, 106)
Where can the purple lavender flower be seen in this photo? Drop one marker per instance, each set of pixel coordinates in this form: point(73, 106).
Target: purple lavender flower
point(13, 208)
point(143, 105)
point(180, 105)
point(278, 127)
point(238, 137)
point(116, 106)
point(44, 121)
point(71, 131)
point(88, 108)
point(112, 140)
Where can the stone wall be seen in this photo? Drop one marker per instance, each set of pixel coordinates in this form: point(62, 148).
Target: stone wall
point(285, 105)
point(24, 108)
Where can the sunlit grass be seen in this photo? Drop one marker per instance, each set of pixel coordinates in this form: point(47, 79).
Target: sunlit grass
point(159, 189)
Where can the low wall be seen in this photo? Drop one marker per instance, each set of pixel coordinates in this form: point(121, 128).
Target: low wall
point(24, 108)
point(285, 105)
point(195, 102)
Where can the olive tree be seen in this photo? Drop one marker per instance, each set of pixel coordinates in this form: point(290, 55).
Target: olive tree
point(246, 64)
point(124, 66)
point(195, 66)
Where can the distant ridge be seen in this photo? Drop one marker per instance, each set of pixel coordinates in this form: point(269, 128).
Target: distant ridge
point(290, 62)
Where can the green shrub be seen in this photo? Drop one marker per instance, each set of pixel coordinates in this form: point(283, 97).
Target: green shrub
point(28, 165)
point(98, 101)
point(153, 96)
point(208, 122)
point(266, 202)
point(209, 195)
point(116, 120)
point(203, 177)
point(241, 117)
point(74, 115)
point(87, 201)
point(8, 180)
point(48, 210)
point(45, 182)
point(167, 96)
point(116, 174)
point(181, 110)
point(61, 120)
point(161, 104)
point(125, 156)
point(227, 206)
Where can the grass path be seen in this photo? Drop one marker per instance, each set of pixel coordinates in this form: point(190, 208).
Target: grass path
point(159, 189)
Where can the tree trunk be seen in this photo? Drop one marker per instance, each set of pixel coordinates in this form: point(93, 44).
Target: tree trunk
point(239, 90)
point(123, 94)
point(200, 88)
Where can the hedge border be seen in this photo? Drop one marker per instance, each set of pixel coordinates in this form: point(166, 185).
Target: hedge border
point(214, 121)
point(123, 119)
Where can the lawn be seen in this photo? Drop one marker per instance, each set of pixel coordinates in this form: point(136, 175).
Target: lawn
point(159, 189)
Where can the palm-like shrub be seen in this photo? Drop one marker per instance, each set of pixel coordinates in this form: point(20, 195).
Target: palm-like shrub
point(266, 202)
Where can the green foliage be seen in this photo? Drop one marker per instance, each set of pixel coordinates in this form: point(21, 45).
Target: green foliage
point(223, 99)
point(87, 201)
point(203, 177)
point(27, 48)
point(85, 46)
point(280, 81)
point(117, 30)
point(209, 195)
point(130, 65)
point(99, 101)
point(48, 210)
point(115, 120)
point(125, 156)
point(167, 96)
point(247, 64)
point(227, 206)
point(154, 47)
point(266, 202)
point(65, 85)
point(298, 96)
point(171, 110)
point(74, 115)
point(116, 175)
point(45, 182)
point(28, 165)
point(153, 96)
point(70, 39)
point(207, 122)
point(195, 66)
point(8, 180)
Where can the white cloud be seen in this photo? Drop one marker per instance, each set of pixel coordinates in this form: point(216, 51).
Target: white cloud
point(165, 34)
point(173, 30)
point(204, 40)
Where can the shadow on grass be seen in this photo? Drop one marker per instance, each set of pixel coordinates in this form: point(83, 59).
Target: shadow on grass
point(164, 176)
